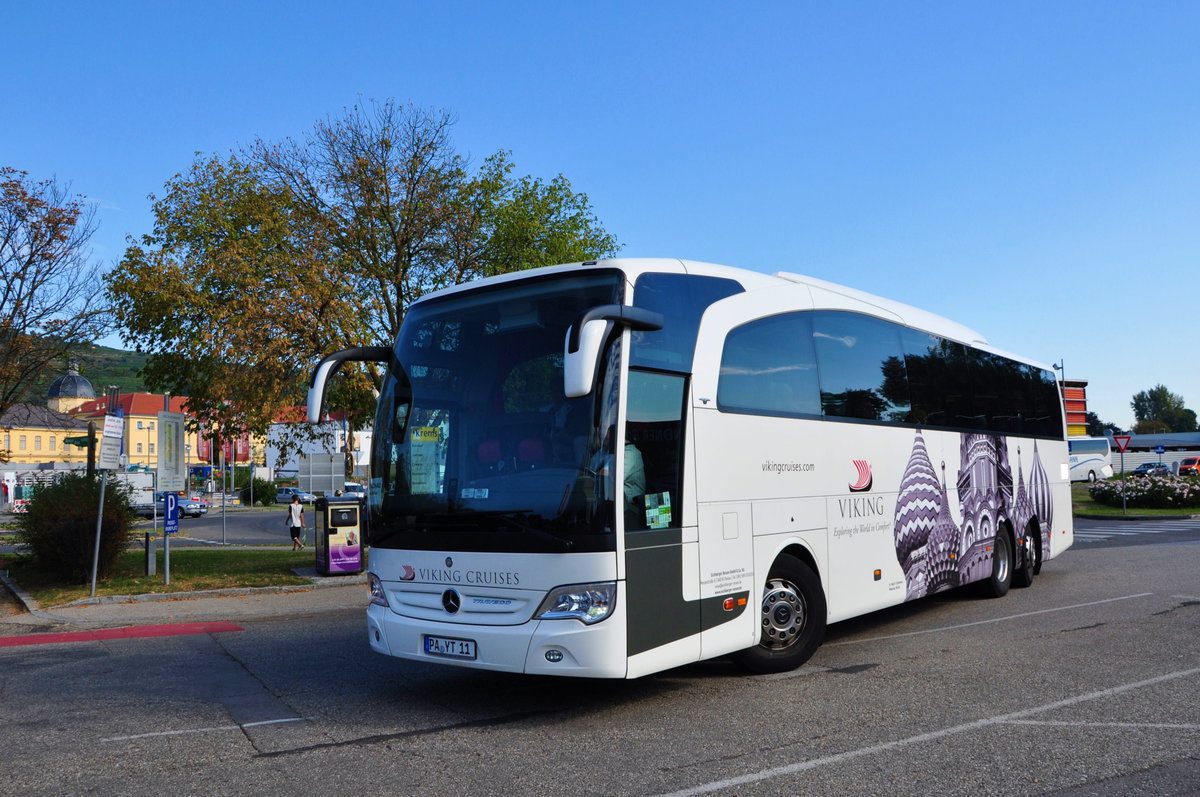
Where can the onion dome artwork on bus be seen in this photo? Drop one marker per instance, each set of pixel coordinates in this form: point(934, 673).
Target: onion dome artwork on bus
point(1040, 500)
point(942, 550)
point(1022, 507)
point(917, 509)
point(935, 552)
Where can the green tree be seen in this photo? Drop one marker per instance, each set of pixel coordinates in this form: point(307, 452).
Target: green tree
point(262, 263)
point(1099, 428)
point(1159, 408)
point(49, 288)
point(405, 215)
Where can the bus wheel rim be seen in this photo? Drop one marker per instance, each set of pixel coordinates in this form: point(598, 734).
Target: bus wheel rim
point(784, 614)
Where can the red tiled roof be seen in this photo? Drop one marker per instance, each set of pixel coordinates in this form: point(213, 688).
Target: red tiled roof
point(133, 404)
point(299, 414)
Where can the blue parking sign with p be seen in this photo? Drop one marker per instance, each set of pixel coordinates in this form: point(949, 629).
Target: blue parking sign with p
point(171, 514)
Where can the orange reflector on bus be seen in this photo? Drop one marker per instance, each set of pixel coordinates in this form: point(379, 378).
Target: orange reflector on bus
point(878, 575)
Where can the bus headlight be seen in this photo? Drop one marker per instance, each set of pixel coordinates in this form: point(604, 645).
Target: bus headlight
point(378, 596)
point(587, 603)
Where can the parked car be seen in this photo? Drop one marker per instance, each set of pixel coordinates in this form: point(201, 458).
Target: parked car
point(284, 495)
point(1190, 466)
point(1151, 469)
point(188, 507)
point(354, 490)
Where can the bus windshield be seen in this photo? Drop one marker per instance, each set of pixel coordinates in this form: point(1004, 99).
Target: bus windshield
point(476, 447)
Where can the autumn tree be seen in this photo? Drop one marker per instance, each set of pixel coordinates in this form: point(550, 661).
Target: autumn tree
point(50, 298)
point(1160, 410)
point(406, 216)
point(261, 263)
point(225, 291)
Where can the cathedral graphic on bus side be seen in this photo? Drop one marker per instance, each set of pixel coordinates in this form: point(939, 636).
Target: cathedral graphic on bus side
point(935, 552)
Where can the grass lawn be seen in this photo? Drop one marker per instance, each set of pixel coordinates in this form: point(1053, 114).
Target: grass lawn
point(1082, 504)
point(190, 570)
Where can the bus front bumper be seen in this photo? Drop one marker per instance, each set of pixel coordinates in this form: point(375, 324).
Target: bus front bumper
point(542, 647)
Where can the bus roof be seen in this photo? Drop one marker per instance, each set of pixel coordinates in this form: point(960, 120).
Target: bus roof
point(756, 280)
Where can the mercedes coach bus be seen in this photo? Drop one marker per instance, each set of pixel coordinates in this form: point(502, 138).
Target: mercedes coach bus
point(1090, 458)
point(611, 468)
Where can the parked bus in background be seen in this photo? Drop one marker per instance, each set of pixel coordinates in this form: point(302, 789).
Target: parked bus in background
point(608, 469)
point(1091, 458)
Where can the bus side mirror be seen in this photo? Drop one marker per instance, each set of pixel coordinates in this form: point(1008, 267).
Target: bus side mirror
point(579, 366)
point(585, 338)
point(328, 367)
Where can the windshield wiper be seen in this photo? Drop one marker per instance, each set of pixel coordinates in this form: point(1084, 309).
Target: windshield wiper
point(468, 521)
point(517, 518)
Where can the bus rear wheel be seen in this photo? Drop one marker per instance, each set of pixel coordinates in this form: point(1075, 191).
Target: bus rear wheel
point(1031, 558)
point(791, 618)
point(996, 585)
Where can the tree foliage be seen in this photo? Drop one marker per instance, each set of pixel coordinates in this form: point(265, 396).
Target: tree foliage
point(1100, 428)
point(262, 263)
point(49, 288)
point(1160, 410)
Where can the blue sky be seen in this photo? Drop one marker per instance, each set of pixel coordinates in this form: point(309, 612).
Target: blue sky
point(1030, 169)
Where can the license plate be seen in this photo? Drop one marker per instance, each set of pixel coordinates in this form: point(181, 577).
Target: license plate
point(450, 647)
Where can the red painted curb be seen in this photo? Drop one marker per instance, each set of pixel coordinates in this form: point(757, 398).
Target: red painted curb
point(128, 632)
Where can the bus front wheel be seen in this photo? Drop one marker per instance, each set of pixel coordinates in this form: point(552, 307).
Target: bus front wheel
point(791, 618)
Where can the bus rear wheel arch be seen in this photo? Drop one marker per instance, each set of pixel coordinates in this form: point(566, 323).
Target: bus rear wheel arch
point(792, 616)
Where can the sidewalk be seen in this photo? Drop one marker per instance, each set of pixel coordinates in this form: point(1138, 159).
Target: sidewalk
point(323, 593)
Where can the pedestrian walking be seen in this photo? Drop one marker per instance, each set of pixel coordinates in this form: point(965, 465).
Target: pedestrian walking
point(295, 521)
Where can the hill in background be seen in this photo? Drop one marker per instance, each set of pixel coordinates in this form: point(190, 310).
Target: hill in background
point(101, 366)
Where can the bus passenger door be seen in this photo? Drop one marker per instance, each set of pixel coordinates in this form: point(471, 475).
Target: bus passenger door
point(660, 552)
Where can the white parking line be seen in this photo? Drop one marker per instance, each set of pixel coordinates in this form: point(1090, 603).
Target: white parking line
point(838, 758)
point(200, 730)
point(986, 622)
point(1166, 726)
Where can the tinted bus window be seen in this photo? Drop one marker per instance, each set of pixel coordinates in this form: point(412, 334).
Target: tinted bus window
point(768, 367)
point(682, 299)
point(861, 367)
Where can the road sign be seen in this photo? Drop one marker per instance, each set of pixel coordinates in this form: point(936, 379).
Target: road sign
point(110, 444)
point(80, 441)
point(1122, 441)
point(170, 513)
point(172, 467)
point(1160, 450)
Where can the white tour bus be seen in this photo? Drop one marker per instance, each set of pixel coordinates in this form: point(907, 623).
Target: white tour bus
point(1091, 458)
point(791, 453)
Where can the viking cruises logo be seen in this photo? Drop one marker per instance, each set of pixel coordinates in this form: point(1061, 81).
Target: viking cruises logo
point(864, 476)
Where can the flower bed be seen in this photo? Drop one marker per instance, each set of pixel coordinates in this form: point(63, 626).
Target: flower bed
point(1149, 492)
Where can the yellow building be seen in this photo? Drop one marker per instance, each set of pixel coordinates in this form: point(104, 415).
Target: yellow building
point(33, 435)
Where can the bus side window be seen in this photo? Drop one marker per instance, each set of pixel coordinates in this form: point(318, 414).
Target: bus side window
point(768, 367)
point(653, 445)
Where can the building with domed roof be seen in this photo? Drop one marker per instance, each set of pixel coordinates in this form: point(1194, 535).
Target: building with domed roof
point(33, 434)
point(69, 391)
